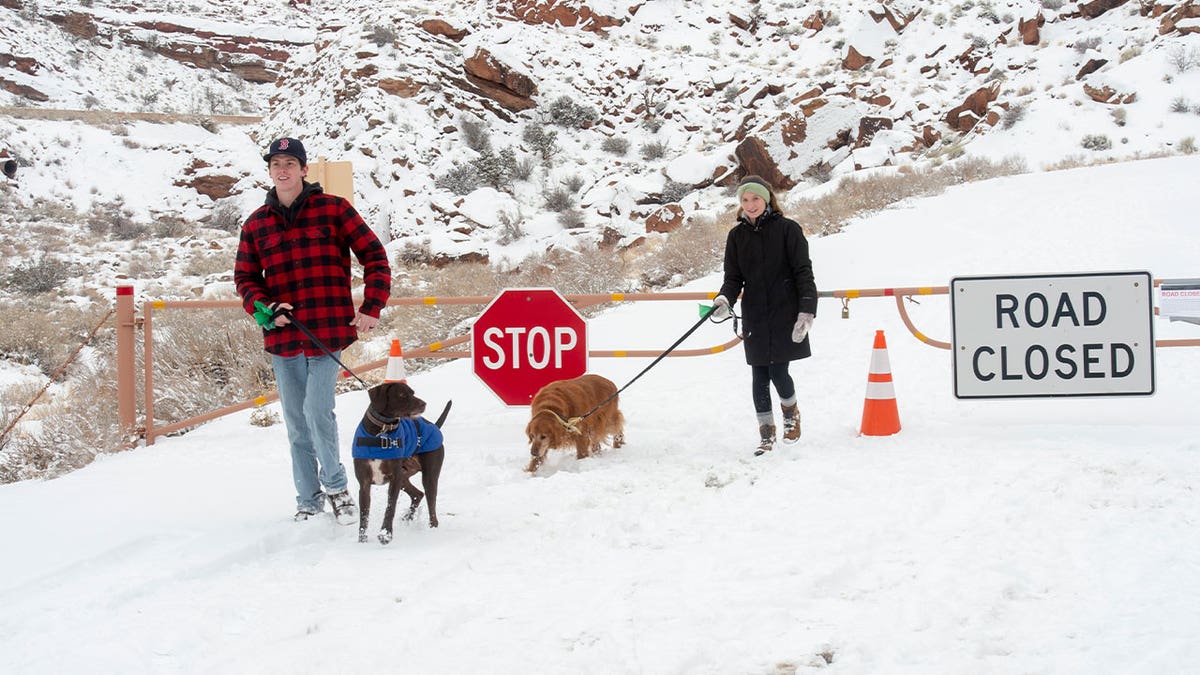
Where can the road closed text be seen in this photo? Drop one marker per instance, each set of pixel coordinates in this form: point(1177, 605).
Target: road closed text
point(1069, 335)
point(1065, 361)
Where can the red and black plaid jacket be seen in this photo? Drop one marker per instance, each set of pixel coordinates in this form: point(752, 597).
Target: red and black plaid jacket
point(306, 264)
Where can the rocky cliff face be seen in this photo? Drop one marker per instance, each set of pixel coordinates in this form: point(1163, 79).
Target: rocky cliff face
point(632, 105)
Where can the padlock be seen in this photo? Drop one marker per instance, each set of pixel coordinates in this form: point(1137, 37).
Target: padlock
point(846, 311)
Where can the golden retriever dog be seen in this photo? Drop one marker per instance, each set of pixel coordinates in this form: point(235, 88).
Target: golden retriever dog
point(554, 407)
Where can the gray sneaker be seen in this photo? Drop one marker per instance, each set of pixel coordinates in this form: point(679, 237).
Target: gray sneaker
point(303, 514)
point(343, 507)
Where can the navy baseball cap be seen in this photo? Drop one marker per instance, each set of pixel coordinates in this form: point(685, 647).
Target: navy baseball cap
point(287, 146)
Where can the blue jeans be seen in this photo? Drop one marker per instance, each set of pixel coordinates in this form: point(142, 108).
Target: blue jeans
point(306, 386)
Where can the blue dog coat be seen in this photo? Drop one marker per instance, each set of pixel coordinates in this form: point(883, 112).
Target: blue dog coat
point(410, 437)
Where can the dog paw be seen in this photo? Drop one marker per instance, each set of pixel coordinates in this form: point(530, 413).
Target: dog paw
point(385, 537)
point(362, 537)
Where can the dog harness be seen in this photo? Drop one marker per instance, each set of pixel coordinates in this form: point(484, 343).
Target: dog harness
point(410, 437)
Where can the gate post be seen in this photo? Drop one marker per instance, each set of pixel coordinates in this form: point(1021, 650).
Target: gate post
point(126, 389)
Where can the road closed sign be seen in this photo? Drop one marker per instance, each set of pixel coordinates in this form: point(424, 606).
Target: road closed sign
point(1053, 335)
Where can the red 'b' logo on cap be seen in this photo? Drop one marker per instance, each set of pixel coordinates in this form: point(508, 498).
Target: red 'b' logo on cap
point(283, 144)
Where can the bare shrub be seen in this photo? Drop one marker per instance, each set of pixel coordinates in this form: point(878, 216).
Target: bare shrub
point(205, 359)
point(414, 254)
point(1052, 4)
point(85, 425)
point(567, 113)
point(43, 333)
point(510, 228)
point(381, 35)
point(461, 179)
point(1016, 111)
point(207, 264)
point(113, 219)
point(692, 250)
point(571, 217)
point(1188, 145)
point(574, 183)
point(588, 270)
point(226, 216)
point(168, 227)
point(1096, 142)
point(475, 134)
point(496, 169)
point(540, 140)
point(559, 200)
point(1084, 44)
point(616, 145)
point(653, 150)
point(523, 169)
point(42, 274)
point(1183, 59)
point(1180, 104)
point(674, 191)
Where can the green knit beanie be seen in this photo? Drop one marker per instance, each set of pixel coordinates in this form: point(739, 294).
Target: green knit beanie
point(754, 187)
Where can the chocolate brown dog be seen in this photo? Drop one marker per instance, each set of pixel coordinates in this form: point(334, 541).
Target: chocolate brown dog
point(391, 444)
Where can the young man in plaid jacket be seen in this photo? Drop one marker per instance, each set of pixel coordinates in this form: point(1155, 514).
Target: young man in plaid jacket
point(294, 256)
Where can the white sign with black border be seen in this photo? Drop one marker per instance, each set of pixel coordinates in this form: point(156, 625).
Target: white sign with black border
point(1053, 335)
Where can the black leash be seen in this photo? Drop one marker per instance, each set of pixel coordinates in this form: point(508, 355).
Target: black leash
point(570, 423)
point(316, 341)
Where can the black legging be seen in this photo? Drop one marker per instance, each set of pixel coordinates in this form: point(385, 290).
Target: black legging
point(762, 376)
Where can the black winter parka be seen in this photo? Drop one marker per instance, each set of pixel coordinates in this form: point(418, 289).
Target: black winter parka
point(767, 262)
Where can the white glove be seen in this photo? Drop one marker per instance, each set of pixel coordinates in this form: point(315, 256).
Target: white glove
point(804, 321)
point(721, 309)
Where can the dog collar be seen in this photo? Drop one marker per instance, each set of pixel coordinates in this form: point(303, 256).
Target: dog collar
point(386, 424)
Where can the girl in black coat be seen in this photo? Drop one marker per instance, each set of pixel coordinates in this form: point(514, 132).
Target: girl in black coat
point(766, 260)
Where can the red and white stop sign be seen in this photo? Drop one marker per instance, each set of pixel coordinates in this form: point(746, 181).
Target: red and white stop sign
point(525, 339)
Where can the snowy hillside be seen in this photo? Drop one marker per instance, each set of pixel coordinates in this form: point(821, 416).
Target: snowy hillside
point(1038, 536)
point(490, 130)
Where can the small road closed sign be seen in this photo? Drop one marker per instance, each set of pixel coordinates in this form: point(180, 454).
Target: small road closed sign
point(1053, 335)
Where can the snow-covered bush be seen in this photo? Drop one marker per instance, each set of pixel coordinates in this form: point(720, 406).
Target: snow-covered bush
point(1096, 142)
point(567, 113)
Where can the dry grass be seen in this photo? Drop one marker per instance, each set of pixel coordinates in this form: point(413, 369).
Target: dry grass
point(856, 197)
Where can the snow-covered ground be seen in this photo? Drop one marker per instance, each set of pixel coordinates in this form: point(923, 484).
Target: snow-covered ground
point(1034, 536)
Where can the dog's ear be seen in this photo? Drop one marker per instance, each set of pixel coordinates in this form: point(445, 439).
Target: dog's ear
point(376, 393)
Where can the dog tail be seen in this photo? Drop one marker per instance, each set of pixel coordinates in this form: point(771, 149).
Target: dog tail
point(445, 412)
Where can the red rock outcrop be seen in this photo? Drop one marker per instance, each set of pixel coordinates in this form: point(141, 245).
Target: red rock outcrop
point(22, 90)
point(500, 82)
point(1106, 94)
point(964, 117)
point(1031, 29)
point(1094, 9)
point(666, 219)
point(816, 21)
point(76, 23)
point(403, 87)
point(23, 64)
point(854, 60)
point(1170, 19)
point(567, 13)
point(898, 21)
point(1090, 67)
point(753, 157)
point(444, 29)
point(868, 127)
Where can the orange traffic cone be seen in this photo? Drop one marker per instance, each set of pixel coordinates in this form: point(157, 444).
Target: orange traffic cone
point(395, 365)
point(880, 417)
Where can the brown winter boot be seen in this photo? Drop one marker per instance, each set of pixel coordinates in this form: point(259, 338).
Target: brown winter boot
point(767, 433)
point(791, 423)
